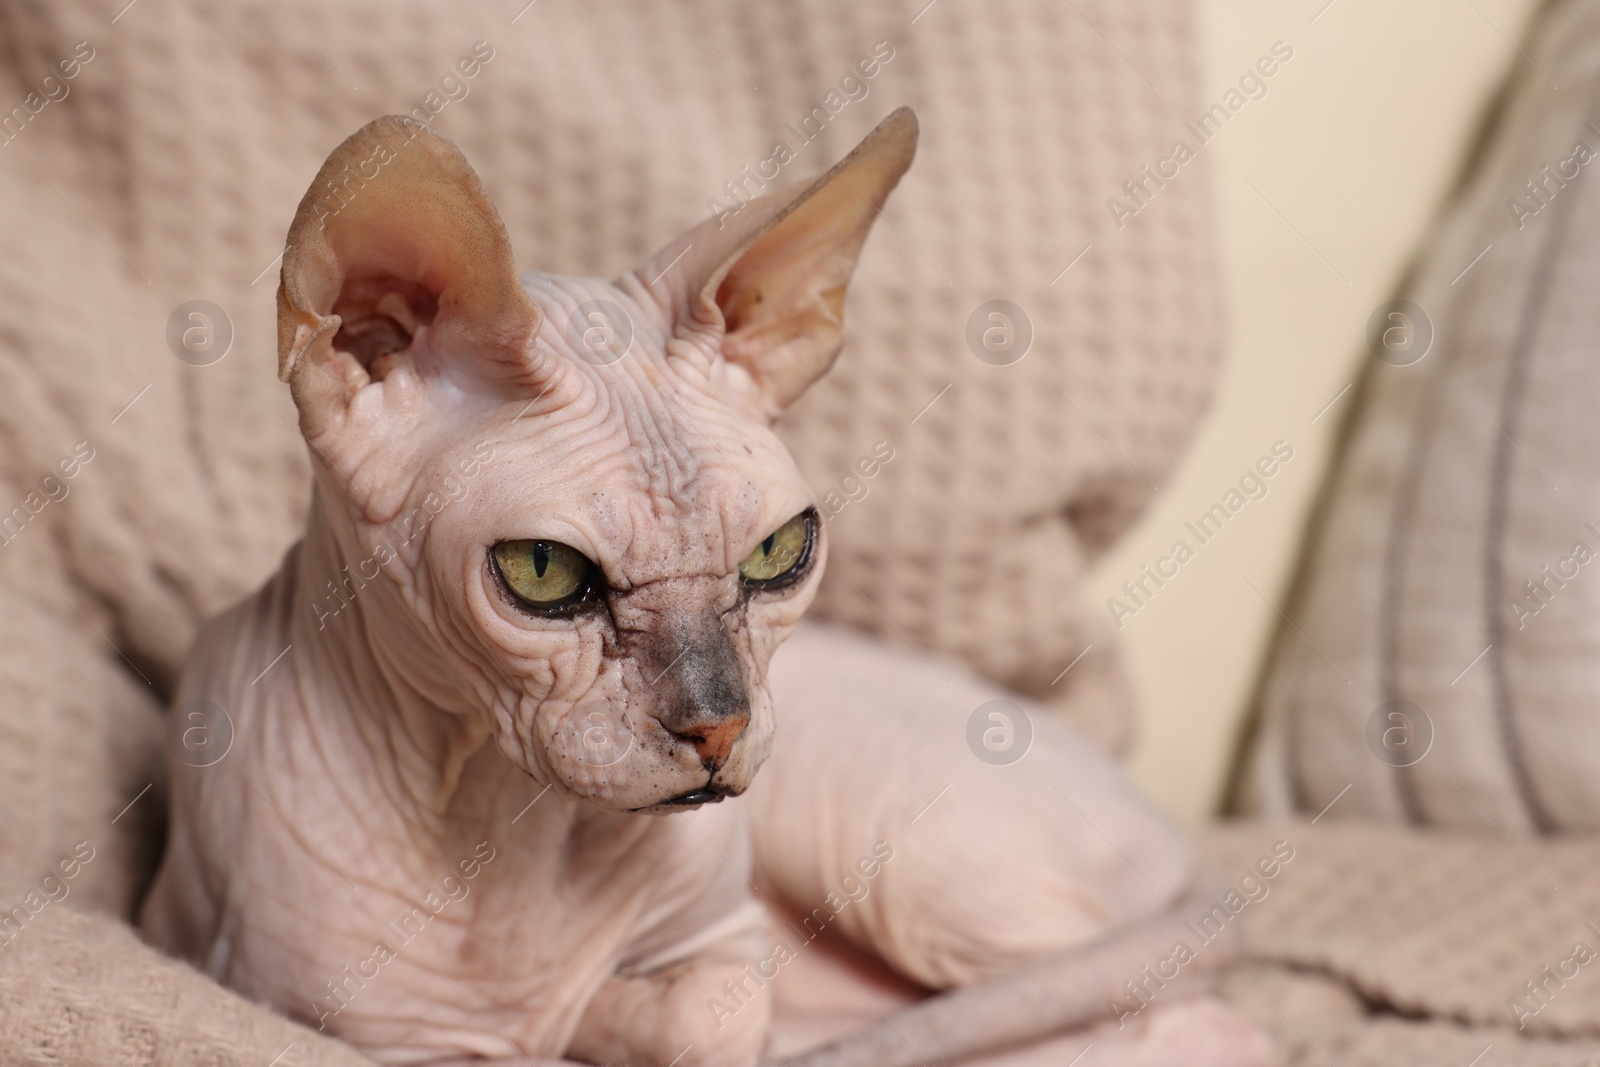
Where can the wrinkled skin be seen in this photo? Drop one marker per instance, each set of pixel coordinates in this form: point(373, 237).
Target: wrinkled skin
point(453, 828)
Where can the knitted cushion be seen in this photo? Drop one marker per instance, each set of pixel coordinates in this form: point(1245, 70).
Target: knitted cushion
point(1441, 661)
point(156, 154)
point(189, 133)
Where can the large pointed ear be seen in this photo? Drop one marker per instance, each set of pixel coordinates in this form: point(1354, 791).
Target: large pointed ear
point(394, 244)
point(771, 278)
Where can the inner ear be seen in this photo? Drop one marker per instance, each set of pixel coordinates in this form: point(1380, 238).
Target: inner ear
point(379, 314)
point(394, 236)
point(772, 282)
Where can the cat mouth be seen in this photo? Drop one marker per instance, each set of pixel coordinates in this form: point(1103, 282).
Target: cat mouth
point(706, 794)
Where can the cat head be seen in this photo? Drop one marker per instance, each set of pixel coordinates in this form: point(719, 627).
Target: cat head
point(580, 529)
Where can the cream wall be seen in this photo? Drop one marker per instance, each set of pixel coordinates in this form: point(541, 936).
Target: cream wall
point(1325, 188)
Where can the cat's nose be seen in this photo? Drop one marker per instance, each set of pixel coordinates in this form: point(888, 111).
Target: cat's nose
point(713, 741)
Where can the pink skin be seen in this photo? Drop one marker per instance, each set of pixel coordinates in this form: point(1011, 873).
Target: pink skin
point(990, 870)
point(434, 834)
point(832, 989)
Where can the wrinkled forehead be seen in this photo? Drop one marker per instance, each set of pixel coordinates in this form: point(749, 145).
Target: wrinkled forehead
point(637, 460)
point(592, 320)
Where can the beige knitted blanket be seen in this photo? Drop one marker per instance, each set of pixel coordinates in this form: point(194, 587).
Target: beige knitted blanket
point(152, 154)
point(1369, 947)
point(1394, 946)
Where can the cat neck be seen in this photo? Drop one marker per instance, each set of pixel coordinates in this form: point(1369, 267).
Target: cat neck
point(360, 692)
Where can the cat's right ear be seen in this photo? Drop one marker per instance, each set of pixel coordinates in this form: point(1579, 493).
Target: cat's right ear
point(398, 271)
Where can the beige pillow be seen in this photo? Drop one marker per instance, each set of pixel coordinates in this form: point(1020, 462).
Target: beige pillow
point(1443, 662)
point(601, 131)
point(965, 497)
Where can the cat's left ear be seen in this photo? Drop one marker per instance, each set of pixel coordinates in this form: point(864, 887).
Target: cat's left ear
point(770, 279)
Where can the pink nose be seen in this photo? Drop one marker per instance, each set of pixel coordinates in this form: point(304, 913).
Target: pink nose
point(713, 742)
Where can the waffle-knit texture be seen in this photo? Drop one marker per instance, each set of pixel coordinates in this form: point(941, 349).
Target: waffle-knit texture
point(1387, 945)
point(170, 171)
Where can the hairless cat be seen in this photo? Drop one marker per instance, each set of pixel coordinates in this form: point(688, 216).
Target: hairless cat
point(528, 641)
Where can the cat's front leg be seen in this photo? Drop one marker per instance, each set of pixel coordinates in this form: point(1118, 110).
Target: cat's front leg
point(683, 1016)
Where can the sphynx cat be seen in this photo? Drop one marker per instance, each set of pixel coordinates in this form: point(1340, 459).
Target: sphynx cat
point(553, 546)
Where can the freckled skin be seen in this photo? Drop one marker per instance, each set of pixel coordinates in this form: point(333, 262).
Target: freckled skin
point(447, 828)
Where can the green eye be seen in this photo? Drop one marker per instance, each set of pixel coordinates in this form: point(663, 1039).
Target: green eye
point(781, 553)
point(543, 573)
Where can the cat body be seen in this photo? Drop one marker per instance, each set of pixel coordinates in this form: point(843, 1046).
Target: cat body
point(484, 718)
point(427, 908)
